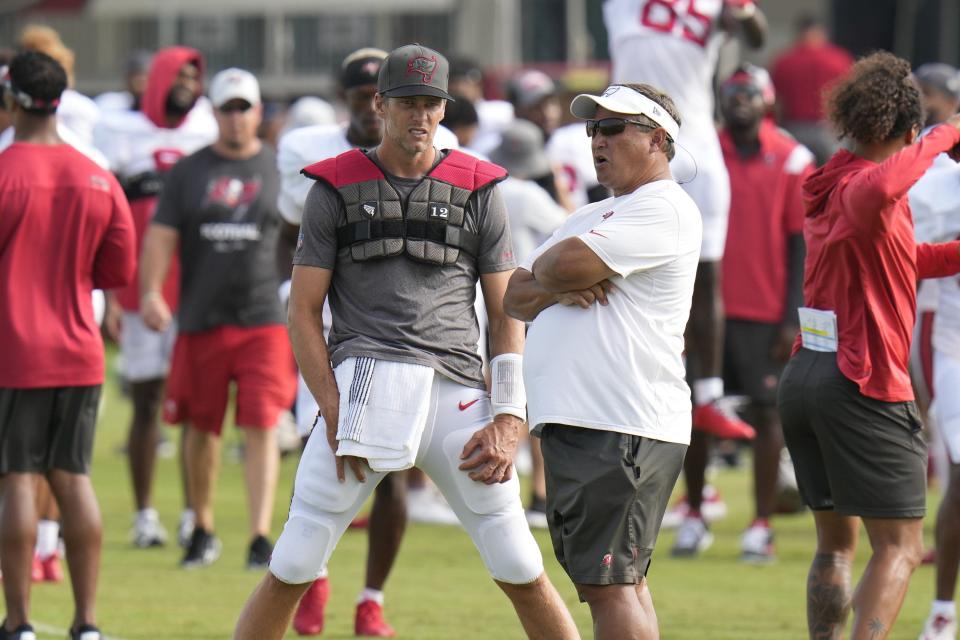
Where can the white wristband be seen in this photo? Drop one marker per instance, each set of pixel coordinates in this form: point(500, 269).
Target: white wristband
point(284, 292)
point(507, 394)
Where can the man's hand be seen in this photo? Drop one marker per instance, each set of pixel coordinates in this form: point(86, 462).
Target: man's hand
point(112, 318)
point(586, 297)
point(488, 455)
point(154, 311)
point(329, 403)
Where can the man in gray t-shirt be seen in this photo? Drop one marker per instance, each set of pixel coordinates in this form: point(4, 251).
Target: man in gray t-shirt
point(399, 237)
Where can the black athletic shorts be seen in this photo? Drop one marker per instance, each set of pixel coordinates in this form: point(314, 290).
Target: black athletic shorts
point(748, 366)
point(606, 496)
point(856, 455)
point(44, 429)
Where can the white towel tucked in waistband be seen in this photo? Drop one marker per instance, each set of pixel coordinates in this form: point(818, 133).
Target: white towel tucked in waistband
point(383, 411)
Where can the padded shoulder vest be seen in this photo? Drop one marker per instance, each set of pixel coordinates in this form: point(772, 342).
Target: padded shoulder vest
point(428, 227)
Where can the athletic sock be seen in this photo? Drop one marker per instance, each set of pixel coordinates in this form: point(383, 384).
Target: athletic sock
point(371, 594)
point(944, 608)
point(147, 514)
point(706, 390)
point(48, 537)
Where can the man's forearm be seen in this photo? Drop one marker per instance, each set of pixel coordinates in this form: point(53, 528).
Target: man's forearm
point(526, 298)
point(158, 249)
point(310, 349)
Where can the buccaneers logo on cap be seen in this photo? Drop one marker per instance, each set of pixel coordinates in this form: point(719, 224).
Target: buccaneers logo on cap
point(426, 67)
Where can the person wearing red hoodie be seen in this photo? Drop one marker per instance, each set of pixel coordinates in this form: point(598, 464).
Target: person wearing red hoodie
point(65, 229)
point(141, 146)
point(845, 399)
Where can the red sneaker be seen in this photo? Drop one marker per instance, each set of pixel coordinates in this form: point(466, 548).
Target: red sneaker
point(308, 620)
point(369, 621)
point(51, 568)
point(715, 420)
point(36, 571)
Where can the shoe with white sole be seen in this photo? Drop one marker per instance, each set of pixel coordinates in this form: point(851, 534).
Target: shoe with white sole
point(693, 538)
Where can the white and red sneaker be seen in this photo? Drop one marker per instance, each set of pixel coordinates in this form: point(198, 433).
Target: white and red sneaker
point(716, 419)
point(756, 543)
point(369, 621)
point(712, 508)
point(939, 627)
point(308, 621)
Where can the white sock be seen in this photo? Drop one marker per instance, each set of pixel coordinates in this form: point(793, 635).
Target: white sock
point(324, 574)
point(147, 514)
point(944, 608)
point(371, 594)
point(706, 390)
point(187, 515)
point(48, 534)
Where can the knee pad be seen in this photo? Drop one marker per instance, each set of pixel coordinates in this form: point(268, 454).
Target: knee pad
point(508, 549)
point(303, 549)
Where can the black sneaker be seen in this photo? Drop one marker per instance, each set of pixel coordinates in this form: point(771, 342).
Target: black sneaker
point(259, 555)
point(23, 632)
point(204, 549)
point(85, 632)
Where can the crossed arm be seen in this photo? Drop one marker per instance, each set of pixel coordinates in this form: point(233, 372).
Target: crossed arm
point(568, 273)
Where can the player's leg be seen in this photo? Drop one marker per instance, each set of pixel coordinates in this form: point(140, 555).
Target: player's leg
point(829, 586)
point(261, 467)
point(71, 452)
point(492, 514)
point(387, 524)
point(320, 511)
point(47, 552)
point(18, 531)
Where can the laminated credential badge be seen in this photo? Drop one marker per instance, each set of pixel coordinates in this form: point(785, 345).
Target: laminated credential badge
point(818, 329)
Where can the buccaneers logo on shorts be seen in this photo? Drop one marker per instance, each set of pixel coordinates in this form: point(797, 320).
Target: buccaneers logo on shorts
point(426, 67)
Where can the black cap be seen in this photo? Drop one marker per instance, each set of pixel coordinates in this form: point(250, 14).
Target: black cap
point(414, 70)
point(361, 67)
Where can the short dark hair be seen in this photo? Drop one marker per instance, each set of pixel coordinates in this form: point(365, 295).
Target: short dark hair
point(460, 112)
point(877, 101)
point(668, 105)
point(37, 80)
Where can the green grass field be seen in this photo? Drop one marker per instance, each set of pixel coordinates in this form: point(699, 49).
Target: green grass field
point(439, 588)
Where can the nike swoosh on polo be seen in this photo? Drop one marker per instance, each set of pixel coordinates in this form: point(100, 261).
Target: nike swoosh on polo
point(597, 233)
point(466, 405)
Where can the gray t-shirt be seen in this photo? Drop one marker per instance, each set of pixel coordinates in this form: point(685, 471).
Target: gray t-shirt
point(399, 309)
point(226, 213)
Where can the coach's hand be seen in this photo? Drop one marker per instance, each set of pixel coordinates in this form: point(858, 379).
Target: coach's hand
point(154, 311)
point(488, 455)
point(112, 318)
point(586, 297)
point(329, 405)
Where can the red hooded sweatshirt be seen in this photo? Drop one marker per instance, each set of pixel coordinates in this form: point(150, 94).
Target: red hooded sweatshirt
point(863, 262)
point(164, 70)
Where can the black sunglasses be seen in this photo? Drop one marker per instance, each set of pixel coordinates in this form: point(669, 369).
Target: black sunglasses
point(233, 106)
point(612, 126)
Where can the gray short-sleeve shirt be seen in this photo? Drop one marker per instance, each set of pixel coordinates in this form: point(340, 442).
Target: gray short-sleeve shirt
point(399, 309)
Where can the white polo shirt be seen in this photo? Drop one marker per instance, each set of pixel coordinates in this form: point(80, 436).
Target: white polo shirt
point(619, 367)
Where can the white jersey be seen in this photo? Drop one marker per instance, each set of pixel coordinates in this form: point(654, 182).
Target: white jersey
point(68, 136)
point(935, 201)
point(111, 101)
point(304, 146)
point(78, 113)
point(569, 149)
point(672, 45)
point(134, 145)
point(493, 116)
point(533, 214)
point(619, 367)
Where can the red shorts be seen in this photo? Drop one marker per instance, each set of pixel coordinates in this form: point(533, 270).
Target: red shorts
point(258, 359)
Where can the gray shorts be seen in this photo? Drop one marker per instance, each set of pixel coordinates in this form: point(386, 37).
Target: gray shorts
point(44, 429)
point(606, 496)
point(856, 455)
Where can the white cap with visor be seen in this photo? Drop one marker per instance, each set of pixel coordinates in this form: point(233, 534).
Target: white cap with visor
point(624, 100)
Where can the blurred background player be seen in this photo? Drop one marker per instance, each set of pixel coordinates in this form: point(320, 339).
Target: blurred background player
point(174, 121)
point(935, 204)
point(218, 213)
point(388, 515)
point(762, 277)
point(801, 74)
point(135, 76)
point(58, 206)
point(493, 116)
point(675, 48)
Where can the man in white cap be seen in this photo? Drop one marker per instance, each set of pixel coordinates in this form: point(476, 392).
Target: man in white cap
point(613, 285)
point(219, 208)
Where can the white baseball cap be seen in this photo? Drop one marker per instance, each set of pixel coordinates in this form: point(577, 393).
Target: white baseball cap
point(234, 84)
point(622, 99)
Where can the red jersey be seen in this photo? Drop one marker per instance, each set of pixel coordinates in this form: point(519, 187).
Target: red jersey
point(801, 74)
point(766, 208)
point(863, 262)
point(65, 229)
